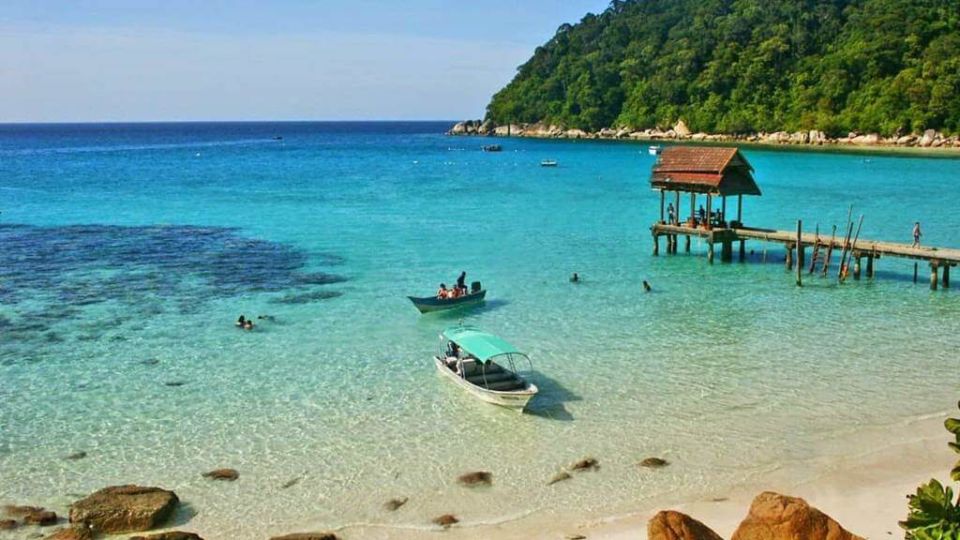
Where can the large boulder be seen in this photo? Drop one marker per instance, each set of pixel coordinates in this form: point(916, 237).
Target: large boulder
point(671, 525)
point(119, 509)
point(460, 128)
point(777, 517)
point(929, 136)
point(681, 129)
point(76, 532)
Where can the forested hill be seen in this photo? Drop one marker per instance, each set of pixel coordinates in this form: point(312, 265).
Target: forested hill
point(738, 66)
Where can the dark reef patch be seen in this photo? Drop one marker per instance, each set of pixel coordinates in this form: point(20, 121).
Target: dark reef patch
point(59, 271)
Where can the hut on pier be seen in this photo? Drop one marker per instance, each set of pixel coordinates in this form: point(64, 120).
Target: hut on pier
point(712, 171)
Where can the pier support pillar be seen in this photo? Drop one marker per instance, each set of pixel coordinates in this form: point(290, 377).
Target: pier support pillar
point(656, 245)
point(915, 267)
point(710, 252)
point(789, 261)
point(869, 266)
point(946, 276)
point(933, 276)
point(856, 267)
point(801, 255)
point(726, 251)
point(743, 250)
point(686, 244)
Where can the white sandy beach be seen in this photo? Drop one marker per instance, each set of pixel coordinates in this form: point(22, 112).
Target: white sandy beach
point(866, 493)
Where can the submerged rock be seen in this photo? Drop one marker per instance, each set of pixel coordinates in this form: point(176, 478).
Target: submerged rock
point(654, 462)
point(8, 524)
point(445, 520)
point(20, 511)
point(775, 516)
point(559, 477)
point(172, 535)
point(479, 478)
point(42, 518)
point(175, 384)
point(585, 464)
point(307, 536)
point(222, 474)
point(77, 455)
point(671, 525)
point(306, 298)
point(75, 532)
point(394, 504)
point(290, 483)
point(128, 508)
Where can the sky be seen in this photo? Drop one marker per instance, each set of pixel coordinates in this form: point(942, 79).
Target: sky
point(168, 60)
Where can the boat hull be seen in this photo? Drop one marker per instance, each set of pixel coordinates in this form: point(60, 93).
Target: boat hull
point(431, 303)
point(514, 400)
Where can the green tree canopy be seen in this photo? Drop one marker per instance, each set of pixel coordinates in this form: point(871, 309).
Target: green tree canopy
point(736, 66)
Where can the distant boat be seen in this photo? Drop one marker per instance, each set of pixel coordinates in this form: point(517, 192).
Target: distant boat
point(492, 148)
point(278, 138)
point(655, 150)
point(427, 304)
point(484, 365)
point(548, 163)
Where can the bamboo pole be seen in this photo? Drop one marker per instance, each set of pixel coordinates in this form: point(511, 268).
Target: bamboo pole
point(826, 261)
point(853, 246)
point(799, 253)
point(816, 249)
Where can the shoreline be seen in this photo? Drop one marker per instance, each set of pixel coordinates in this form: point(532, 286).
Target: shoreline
point(930, 142)
point(865, 492)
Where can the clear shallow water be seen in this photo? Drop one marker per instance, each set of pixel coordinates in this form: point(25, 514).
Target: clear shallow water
point(128, 252)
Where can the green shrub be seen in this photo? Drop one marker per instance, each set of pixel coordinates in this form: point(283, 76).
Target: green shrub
point(933, 513)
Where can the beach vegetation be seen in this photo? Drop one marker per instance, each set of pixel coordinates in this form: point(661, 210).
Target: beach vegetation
point(738, 66)
point(933, 512)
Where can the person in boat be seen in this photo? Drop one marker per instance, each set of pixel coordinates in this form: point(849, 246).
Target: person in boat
point(462, 282)
point(646, 286)
point(575, 278)
point(241, 321)
point(456, 292)
point(442, 292)
point(453, 350)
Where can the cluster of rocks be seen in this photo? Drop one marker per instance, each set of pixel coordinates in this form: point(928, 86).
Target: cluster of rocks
point(680, 132)
point(771, 517)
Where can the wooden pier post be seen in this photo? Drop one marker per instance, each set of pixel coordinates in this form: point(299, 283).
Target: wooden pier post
point(799, 253)
point(676, 210)
point(915, 266)
point(933, 275)
point(656, 244)
point(789, 261)
point(686, 244)
point(663, 197)
point(710, 252)
point(946, 276)
point(743, 250)
point(870, 266)
point(726, 250)
point(826, 260)
point(856, 266)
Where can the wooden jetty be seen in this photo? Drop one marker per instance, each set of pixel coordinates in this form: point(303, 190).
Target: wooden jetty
point(718, 173)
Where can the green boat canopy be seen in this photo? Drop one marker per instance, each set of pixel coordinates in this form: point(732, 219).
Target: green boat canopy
point(480, 344)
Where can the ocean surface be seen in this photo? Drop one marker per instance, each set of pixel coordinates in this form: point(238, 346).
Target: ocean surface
point(128, 251)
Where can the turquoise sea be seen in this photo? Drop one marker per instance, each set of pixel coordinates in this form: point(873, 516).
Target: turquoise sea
point(128, 251)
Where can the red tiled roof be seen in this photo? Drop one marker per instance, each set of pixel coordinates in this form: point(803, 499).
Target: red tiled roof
point(715, 170)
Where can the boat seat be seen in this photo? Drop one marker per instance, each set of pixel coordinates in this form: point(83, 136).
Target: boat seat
point(508, 385)
point(471, 368)
point(489, 378)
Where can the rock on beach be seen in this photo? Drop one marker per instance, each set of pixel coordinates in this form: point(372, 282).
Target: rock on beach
point(307, 536)
point(129, 508)
point(780, 517)
point(479, 478)
point(222, 474)
point(671, 525)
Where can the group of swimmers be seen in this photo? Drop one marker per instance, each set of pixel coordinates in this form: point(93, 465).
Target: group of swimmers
point(459, 291)
point(575, 278)
point(247, 324)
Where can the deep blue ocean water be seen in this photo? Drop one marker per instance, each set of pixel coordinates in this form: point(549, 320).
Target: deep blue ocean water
point(127, 251)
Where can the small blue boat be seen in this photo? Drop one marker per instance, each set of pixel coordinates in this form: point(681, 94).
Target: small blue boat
point(428, 304)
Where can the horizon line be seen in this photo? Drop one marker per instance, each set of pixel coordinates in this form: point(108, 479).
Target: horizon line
point(102, 122)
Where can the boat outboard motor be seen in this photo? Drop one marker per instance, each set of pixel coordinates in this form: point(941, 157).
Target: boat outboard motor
point(475, 287)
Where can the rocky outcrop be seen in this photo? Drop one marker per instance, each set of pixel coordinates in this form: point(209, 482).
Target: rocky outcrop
point(307, 536)
point(42, 518)
point(445, 520)
point(8, 524)
point(681, 132)
point(171, 535)
point(671, 525)
point(76, 532)
point(129, 508)
point(777, 517)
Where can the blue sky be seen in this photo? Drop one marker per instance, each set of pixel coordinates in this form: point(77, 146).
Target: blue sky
point(130, 60)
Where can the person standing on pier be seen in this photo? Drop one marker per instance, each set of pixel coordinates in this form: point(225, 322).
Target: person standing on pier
point(702, 214)
point(670, 212)
point(916, 234)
